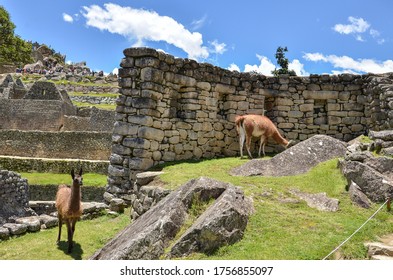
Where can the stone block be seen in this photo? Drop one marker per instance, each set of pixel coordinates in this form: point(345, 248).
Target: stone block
point(226, 89)
point(321, 95)
point(306, 107)
point(150, 133)
point(123, 128)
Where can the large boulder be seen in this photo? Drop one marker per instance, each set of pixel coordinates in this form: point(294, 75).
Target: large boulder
point(148, 236)
point(376, 186)
point(295, 160)
point(222, 224)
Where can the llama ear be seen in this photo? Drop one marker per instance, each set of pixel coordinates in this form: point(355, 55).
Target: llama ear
point(80, 172)
point(72, 174)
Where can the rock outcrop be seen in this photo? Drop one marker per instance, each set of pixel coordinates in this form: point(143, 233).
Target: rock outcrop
point(296, 160)
point(149, 235)
point(369, 175)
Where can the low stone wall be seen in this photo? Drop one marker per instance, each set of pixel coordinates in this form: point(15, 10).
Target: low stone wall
point(48, 193)
point(48, 144)
point(14, 201)
point(89, 119)
point(61, 166)
point(86, 89)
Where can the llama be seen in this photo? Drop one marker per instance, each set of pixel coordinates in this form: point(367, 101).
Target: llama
point(249, 126)
point(69, 207)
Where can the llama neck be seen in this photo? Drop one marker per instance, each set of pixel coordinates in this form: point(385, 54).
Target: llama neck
point(279, 139)
point(75, 199)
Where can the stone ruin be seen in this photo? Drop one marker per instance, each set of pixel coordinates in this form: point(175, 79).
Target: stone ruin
point(174, 109)
point(45, 108)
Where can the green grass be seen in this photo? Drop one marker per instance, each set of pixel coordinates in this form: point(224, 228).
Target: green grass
point(89, 179)
point(276, 230)
point(94, 94)
point(109, 107)
point(286, 230)
point(90, 235)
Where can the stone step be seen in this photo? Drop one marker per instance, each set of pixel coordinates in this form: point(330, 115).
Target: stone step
point(381, 258)
point(54, 165)
point(378, 248)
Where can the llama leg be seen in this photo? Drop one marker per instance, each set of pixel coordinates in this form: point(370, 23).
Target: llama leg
point(262, 146)
point(70, 233)
point(248, 143)
point(60, 225)
point(242, 138)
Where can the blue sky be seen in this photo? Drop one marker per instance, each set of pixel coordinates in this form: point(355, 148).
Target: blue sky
point(322, 36)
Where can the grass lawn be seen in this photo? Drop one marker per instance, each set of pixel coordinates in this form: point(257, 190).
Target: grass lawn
point(277, 229)
point(108, 107)
point(89, 179)
point(287, 231)
point(90, 235)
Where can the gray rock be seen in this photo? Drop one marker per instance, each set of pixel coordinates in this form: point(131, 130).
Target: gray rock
point(385, 135)
point(145, 178)
point(48, 221)
point(358, 197)
point(318, 201)
point(383, 165)
point(222, 224)
point(149, 235)
point(376, 186)
point(16, 229)
point(387, 151)
point(108, 197)
point(117, 205)
point(358, 156)
point(378, 248)
point(4, 233)
point(33, 223)
point(295, 160)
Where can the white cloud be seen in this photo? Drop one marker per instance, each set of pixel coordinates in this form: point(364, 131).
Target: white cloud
point(141, 25)
point(198, 23)
point(350, 65)
point(234, 67)
point(218, 48)
point(265, 66)
point(358, 28)
point(298, 68)
point(357, 25)
point(68, 18)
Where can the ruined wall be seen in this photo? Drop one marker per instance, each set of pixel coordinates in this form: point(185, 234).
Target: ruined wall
point(14, 200)
point(174, 109)
point(49, 144)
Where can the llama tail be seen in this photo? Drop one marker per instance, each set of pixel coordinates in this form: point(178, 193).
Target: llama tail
point(239, 122)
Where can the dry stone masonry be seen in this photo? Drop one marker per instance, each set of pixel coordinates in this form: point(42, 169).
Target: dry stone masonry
point(14, 200)
point(173, 109)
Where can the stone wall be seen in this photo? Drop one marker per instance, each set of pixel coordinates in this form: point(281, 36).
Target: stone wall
point(14, 200)
point(175, 109)
point(49, 144)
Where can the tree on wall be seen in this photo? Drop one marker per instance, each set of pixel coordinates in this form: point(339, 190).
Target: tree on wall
point(283, 62)
point(13, 49)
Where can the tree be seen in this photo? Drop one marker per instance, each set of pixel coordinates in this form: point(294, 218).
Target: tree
point(13, 49)
point(283, 62)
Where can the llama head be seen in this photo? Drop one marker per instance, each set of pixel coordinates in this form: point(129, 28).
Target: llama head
point(77, 178)
point(291, 143)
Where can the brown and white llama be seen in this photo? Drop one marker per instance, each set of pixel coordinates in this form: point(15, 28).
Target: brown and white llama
point(249, 126)
point(69, 206)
